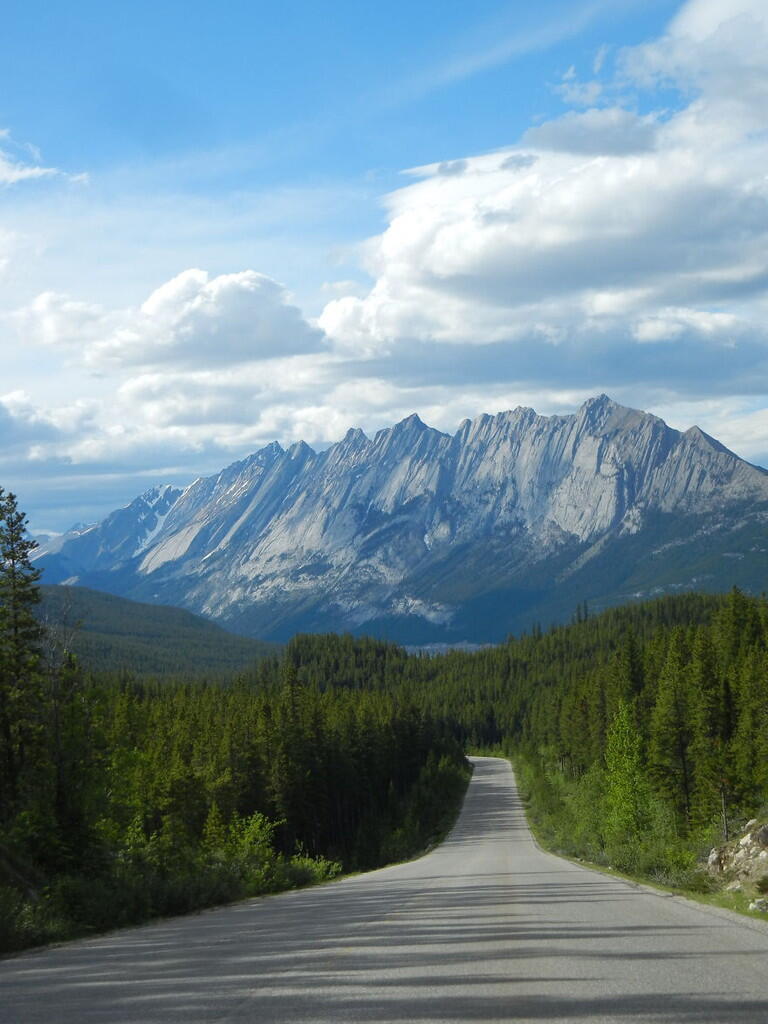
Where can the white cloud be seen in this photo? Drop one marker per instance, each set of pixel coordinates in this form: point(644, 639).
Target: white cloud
point(57, 320)
point(190, 321)
point(600, 58)
point(346, 287)
point(600, 240)
point(197, 320)
point(577, 93)
point(13, 171)
point(669, 324)
point(611, 131)
point(498, 250)
point(24, 426)
point(16, 165)
point(716, 49)
point(608, 251)
point(699, 20)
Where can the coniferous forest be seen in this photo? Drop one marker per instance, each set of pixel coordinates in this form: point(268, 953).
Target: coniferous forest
point(640, 737)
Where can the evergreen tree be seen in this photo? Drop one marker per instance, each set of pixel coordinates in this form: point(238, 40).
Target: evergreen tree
point(669, 756)
point(709, 733)
point(749, 740)
point(21, 711)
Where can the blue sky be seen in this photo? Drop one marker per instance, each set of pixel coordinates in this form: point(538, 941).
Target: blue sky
point(212, 234)
point(311, 91)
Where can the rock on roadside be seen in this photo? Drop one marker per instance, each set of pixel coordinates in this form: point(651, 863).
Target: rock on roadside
point(742, 862)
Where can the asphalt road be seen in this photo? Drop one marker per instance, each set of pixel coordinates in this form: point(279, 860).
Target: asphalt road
point(485, 928)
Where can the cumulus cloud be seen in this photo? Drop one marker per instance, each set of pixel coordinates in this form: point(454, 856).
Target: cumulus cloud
point(714, 47)
point(609, 250)
point(218, 400)
point(200, 373)
point(606, 241)
point(610, 131)
point(25, 426)
point(57, 320)
point(193, 320)
point(21, 424)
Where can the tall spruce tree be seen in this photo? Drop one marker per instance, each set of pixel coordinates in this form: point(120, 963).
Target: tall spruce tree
point(670, 733)
point(20, 634)
point(709, 733)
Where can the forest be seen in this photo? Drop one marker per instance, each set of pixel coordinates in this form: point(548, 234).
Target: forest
point(639, 735)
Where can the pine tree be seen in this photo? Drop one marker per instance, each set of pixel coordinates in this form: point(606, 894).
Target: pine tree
point(749, 741)
point(21, 699)
point(709, 733)
point(669, 755)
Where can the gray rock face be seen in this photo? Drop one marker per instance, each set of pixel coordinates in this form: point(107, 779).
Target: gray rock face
point(121, 537)
point(415, 525)
point(744, 860)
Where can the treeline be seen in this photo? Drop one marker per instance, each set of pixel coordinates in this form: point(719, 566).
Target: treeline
point(640, 735)
point(646, 760)
point(171, 797)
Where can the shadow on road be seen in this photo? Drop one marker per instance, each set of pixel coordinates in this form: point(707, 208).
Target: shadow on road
point(486, 928)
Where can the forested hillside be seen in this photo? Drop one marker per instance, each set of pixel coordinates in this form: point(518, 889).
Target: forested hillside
point(109, 633)
point(121, 800)
point(641, 735)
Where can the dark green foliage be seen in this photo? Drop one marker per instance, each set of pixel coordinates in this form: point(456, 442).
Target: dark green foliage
point(109, 633)
point(125, 798)
point(669, 757)
point(637, 734)
point(640, 733)
point(198, 794)
point(20, 679)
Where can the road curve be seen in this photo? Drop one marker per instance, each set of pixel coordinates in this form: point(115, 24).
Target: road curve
point(485, 928)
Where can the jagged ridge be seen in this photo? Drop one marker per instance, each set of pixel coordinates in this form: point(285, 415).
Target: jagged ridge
point(414, 525)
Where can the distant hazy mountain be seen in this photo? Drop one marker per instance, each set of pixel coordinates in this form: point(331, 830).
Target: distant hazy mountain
point(421, 536)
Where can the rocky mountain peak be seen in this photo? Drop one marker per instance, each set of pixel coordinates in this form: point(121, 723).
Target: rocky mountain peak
point(412, 422)
point(696, 436)
point(426, 525)
point(300, 450)
point(601, 416)
point(162, 494)
point(595, 410)
point(270, 451)
point(355, 437)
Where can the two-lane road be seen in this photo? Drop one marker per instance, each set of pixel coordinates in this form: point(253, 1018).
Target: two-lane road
point(485, 928)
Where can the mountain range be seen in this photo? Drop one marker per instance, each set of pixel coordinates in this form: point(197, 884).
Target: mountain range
point(422, 536)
